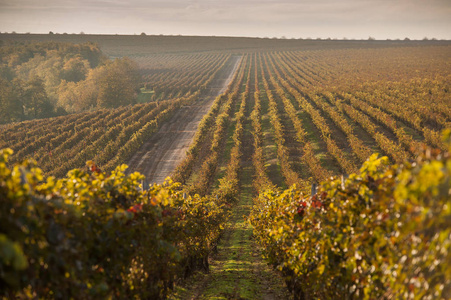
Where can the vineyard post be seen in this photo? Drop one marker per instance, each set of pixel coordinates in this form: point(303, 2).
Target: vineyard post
point(342, 182)
point(314, 188)
point(23, 178)
point(343, 179)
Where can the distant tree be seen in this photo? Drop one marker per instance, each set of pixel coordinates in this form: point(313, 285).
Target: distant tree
point(370, 38)
point(75, 69)
point(82, 33)
point(77, 96)
point(10, 107)
point(406, 39)
point(143, 33)
point(6, 73)
point(117, 83)
point(36, 102)
point(50, 32)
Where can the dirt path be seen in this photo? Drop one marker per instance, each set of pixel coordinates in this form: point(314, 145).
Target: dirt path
point(160, 155)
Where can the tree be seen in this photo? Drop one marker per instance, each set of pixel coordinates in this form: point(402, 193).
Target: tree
point(68, 96)
point(117, 83)
point(6, 72)
point(36, 102)
point(75, 69)
point(10, 106)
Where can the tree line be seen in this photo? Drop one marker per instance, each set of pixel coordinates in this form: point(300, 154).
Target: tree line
point(39, 80)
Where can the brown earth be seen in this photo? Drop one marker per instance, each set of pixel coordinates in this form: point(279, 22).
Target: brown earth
point(161, 154)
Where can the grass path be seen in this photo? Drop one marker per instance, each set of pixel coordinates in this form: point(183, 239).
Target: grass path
point(237, 270)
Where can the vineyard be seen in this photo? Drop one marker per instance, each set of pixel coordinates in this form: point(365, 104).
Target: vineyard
point(109, 137)
point(289, 146)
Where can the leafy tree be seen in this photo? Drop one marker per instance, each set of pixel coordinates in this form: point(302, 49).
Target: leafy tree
point(10, 107)
point(67, 96)
point(75, 69)
point(117, 83)
point(77, 96)
point(36, 102)
point(6, 72)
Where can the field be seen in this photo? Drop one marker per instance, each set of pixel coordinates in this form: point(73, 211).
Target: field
point(295, 114)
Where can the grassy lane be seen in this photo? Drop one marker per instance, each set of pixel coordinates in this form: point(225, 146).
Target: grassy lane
point(237, 270)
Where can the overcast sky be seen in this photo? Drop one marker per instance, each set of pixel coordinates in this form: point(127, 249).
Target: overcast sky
point(256, 18)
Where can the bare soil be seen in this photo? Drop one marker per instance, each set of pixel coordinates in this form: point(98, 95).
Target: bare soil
point(161, 154)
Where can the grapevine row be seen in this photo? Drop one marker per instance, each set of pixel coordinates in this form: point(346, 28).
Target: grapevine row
point(321, 124)
point(185, 168)
point(209, 166)
point(364, 237)
point(282, 152)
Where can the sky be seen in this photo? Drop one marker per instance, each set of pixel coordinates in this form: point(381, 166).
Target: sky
point(359, 19)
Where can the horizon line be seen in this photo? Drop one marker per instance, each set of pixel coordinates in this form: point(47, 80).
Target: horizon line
point(143, 34)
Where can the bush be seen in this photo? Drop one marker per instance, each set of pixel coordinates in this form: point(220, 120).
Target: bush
point(92, 235)
point(384, 232)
